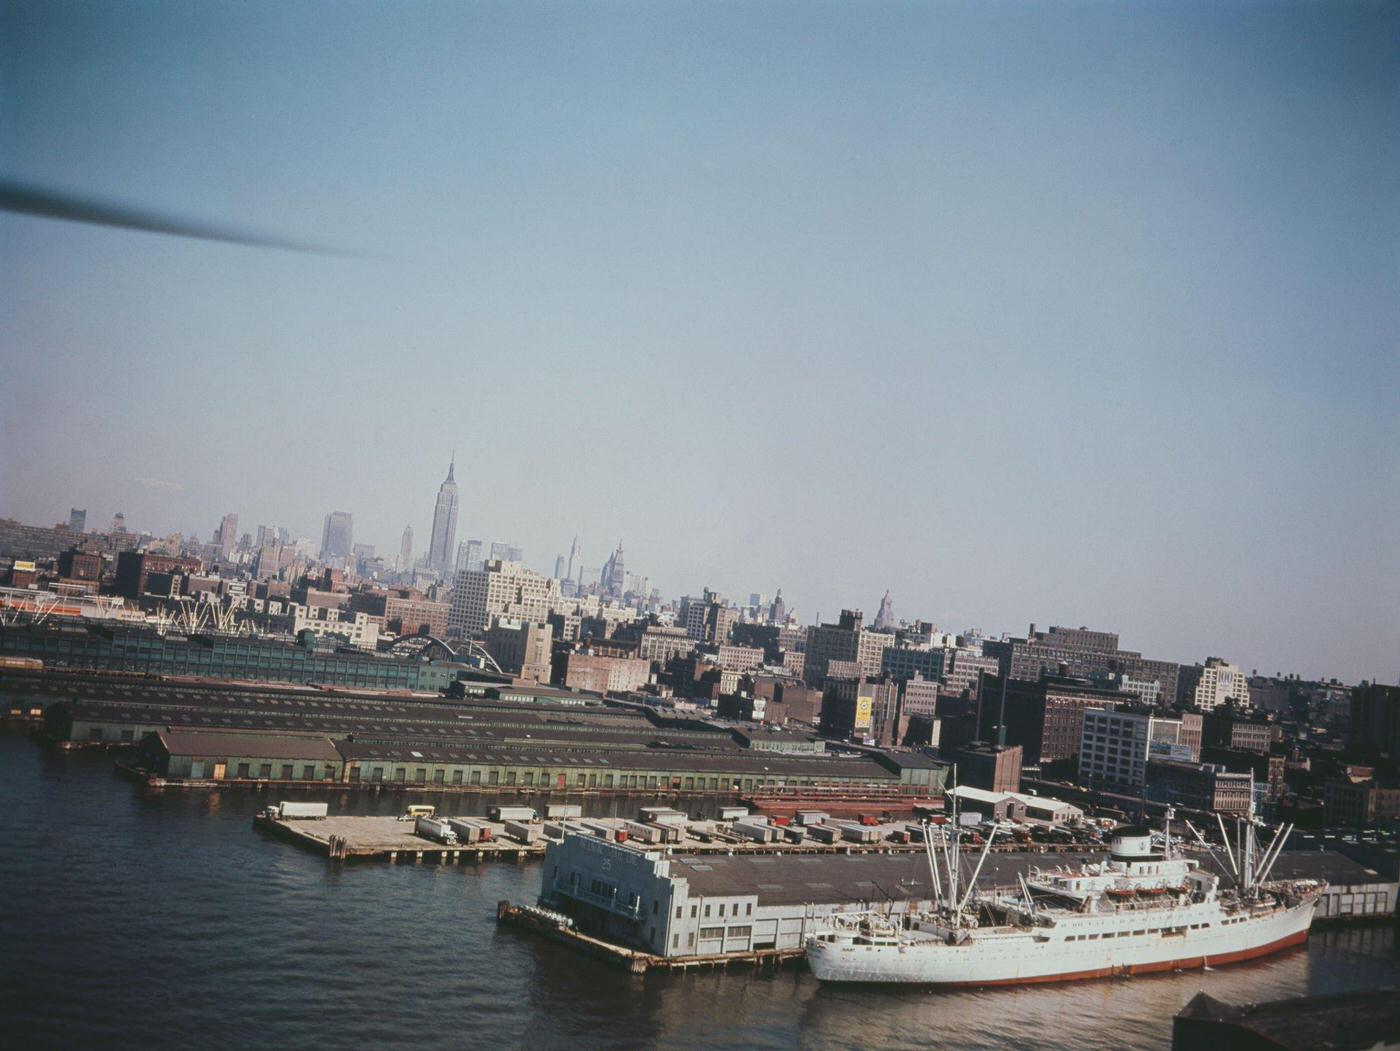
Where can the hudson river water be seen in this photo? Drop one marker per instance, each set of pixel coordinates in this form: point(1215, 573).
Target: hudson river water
point(136, 919)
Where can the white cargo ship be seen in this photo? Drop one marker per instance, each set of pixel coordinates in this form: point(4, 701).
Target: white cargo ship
point(1146, 908)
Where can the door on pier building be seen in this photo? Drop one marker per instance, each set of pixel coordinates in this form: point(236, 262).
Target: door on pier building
point(219, 770)
point(559, 781)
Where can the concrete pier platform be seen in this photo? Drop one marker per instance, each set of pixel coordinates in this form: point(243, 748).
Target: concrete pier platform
point(389, 839)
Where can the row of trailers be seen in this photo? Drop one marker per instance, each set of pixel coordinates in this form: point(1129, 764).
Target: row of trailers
point(819, 826)
point(520, 823)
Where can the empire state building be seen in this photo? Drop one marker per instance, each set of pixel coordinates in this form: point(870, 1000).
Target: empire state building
point(444, 538)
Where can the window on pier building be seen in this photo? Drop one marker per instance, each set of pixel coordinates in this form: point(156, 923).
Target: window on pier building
point(456, 777)
point(377, 774)
point(243, 769)
point(510, 777)
point(308, 772)
point(401, 775)
point(265, 771)
point(286, 771)
point(440, 776)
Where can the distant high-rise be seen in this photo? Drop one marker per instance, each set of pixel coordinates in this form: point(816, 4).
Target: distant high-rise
point(119, 523)
point(443, 542)
point(777, 613)
point(473, 555)
point(337, 538)
point(228, 533)
point(505, 552)
point(77, 520)
point(575, 560)
point(614, 579)
point(884, 617)
point(406, 550)
point(559, 568)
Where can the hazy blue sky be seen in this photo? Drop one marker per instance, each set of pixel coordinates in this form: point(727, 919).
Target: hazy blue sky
point(1078, 313)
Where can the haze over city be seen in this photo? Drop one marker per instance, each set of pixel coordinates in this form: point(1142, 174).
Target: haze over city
point(1068, 315)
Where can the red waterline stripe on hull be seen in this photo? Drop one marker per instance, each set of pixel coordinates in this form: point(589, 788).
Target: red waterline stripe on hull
point(1193, 963)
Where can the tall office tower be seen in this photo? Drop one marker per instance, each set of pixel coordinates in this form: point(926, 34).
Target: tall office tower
point(461, 563)
point(614, 578)
point(228, 533)
point(337, 539)
point(119, 523)
point(443, 542)
point(575, 560)
point(499, 552)
point(77, 520)
point(500, 589)
point(1217, 682)
point(884, 618)
point(265, 535)
point(559, 568)
point(777, 613)
point(406, 550)
point(473, 554)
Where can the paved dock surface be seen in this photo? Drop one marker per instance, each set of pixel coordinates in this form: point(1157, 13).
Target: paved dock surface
point(393, 839)
point(346, 836)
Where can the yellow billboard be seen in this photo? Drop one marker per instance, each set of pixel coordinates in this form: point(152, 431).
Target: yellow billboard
point(863, 705)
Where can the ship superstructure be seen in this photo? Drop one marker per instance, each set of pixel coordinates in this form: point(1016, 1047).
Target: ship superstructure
point(1146, 907)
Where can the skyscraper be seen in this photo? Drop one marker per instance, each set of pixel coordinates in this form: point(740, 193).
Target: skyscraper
point(575, 560)
point(406, 550)
point(337, 539)
point(473, 554)
point(559, 568)
point(884, 618)
point(443, 542)
point(228, 533)
point(77, 520)
point(614, 578)
point(504, 551)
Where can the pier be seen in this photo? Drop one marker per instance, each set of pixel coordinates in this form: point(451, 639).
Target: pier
point(391, 839)
point(388, 838)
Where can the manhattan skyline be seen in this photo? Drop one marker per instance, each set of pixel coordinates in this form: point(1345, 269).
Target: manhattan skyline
point(1081, 316)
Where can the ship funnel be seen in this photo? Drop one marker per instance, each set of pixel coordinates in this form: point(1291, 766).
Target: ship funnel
point(1133, 843)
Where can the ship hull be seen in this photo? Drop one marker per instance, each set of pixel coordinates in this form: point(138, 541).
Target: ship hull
point(1015, 959)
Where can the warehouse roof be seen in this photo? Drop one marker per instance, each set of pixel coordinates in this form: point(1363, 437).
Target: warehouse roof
point(214, 744)
point(738, 761)
point(787, 879)
point(846, 879)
